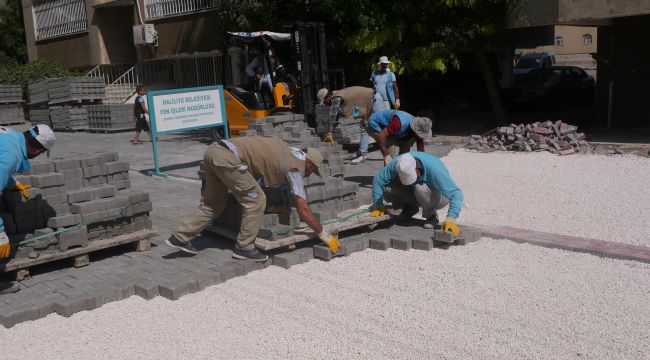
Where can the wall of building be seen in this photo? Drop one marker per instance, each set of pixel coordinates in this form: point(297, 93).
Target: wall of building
point(572, 37)
point(578, 10)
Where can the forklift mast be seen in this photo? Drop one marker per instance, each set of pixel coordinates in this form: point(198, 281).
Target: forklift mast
point(310, 52)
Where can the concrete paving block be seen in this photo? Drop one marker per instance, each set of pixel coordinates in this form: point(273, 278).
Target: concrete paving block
point(230, 270)
point(64, 221)
point(69, 239)
point(135, 196)
point(51, 210)
point(92, 161)
point(104, 191)
point(306, 253)
point(445, 237)
point(45, 242)
point(380, 244)
point(53, 191)
point(81, 195)
point(73, 302)
point(94, 171)
point(365, 242)
point(117, 167)
point(94, 217)
point(61, 165)
point(58, 199)
point(73, 184)
point(287, 260)
point(175, 287)
point(121, 184)
point(47, 180)
point(40, 167)
point(138, 208)
point(45, 304)
point(147, 289)
point(15, 314)
point(401, 244)
point(423, 244)
point(322, 252)
point(72, 174)
point(109, 156)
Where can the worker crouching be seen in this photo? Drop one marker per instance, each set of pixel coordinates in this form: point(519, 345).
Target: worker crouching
point(242, 166)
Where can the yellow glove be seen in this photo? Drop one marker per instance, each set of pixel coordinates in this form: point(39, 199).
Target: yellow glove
point(396, 106)
point(22, 188)
point(450, 225)
point(5, 248)
point(330, 240)
point(328, 138)
point(378, 211)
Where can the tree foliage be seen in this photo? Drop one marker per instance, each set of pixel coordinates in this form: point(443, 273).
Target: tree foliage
point(12, 34)
point(22, 74)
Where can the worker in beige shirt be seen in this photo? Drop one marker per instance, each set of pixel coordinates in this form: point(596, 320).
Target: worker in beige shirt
point(235, 166)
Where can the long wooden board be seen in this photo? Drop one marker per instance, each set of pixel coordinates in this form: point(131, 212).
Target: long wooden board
point(93, 246)
point(265, 245)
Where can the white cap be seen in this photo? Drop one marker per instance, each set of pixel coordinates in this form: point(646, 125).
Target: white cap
point(44, 135)
point(321, 95)
point(406, 169)
point(383, 60)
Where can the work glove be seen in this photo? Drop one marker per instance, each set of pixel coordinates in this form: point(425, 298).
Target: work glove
point(378, 211)
point(449, 225)
point(396, 106)
point(330, 240)
point(328, 139)
point(5, 248)
point(387, 159)
point(22, 188)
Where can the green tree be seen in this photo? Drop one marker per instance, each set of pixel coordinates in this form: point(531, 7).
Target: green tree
point(12, 34)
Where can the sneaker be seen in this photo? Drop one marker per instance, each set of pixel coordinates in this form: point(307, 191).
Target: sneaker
point(431, 222)
point(9, 288)
point(408, 211)
point(175, 243)
point(254, 255)
point(360, 158)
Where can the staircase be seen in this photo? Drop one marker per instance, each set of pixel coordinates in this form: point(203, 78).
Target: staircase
point(120, 81)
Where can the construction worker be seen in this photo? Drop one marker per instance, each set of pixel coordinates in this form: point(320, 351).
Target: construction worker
point(352, 102)
point(399, 128)
point(385, 84)
point(242, 166)
point(415, 180)
point(15, 151)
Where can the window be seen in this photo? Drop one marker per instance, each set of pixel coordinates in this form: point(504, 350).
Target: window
point(54, 18)
point(587, 39)
point(158, 9)
point(559, 41)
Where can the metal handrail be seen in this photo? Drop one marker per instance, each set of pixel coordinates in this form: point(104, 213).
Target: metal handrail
point(125, 84)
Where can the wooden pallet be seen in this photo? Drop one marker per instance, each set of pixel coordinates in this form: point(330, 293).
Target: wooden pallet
point(141, 241)
point(109, 130)
point(10, 123)
point(306, 234)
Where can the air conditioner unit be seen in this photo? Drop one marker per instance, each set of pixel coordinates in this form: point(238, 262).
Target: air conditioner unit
point(145, 35)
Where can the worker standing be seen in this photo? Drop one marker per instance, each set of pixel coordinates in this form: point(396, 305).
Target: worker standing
point(352, 102)
point(242, 166)
point(385, 84)
point(15, 151)
point(415, 180)
point(399, 128)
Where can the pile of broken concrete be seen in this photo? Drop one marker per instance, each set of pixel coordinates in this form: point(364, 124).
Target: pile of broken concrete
point(555, 137)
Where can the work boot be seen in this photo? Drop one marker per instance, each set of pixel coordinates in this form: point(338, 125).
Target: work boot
point(9, 288)
point(432, 222)
point(359, 158)
point(253, 254)
point(408, 211)
point(185, 247)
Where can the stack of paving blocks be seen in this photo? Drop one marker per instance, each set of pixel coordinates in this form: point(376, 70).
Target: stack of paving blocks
point(38, 92)
point(12, 109)
point(555, 137)
point(39, 115)
point(75, 89)
point(110, 117)
point(89, 195)
point(68, 118)
point(347, 132)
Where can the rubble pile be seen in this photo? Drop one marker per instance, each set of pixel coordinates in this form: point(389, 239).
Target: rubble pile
point(555, 137)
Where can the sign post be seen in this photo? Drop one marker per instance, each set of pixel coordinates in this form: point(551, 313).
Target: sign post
point(172, 111)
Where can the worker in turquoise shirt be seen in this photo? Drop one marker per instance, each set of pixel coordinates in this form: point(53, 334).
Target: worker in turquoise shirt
point(398, 128)
point(415, 180)
point(15, 151)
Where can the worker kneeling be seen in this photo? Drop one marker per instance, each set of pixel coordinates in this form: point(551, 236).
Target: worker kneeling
point(234, 166)
point(415, 180)
point(398, 128)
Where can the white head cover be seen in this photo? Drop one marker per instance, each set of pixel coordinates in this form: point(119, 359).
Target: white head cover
point(44, 135)
point(383, 60)
point(321, 95)
point(406, 169)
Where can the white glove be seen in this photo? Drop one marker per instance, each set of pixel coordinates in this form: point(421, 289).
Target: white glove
point(387, 159)
point(5, 248)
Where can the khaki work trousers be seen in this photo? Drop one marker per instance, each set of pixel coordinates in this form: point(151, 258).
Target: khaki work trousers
point(420, 195)
point(224, 171)
point(395, 146)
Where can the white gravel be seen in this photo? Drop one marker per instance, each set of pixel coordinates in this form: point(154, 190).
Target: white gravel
point(491, 299)
point(600, 197)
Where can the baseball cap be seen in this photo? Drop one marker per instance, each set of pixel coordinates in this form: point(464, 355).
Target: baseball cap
point(406, 169)
point(421, 126)
point(321, 95)
point(317, 158)
point(383, 60)
point(44, 135)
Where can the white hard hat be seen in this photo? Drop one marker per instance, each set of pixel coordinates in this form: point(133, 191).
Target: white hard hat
point(44, 135)
point(383, 60)
point(321, 95)
point(406, 169)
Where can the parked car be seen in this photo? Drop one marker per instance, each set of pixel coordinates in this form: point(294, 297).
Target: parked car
point(533, 61)
point(552, 88)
